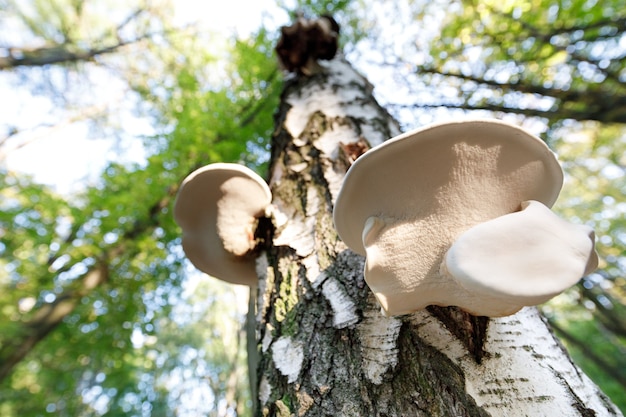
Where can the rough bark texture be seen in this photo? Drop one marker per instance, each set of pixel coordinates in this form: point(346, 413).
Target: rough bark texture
point(326, 350)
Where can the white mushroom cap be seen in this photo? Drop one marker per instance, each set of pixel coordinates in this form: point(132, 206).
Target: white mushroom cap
point(462, 172)
point(522, 258)
point(217, 207)
point(404, 203)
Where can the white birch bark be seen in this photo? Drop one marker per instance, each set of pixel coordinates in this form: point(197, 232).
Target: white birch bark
point(325, 349)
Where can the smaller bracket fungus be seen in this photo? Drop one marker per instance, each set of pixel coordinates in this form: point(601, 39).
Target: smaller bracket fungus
point(217, 208)
point(457, 214)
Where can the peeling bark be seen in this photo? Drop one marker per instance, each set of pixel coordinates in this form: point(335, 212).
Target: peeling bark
point(324, 347)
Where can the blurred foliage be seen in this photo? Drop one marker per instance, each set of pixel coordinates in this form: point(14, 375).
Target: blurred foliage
point(99, 311)
point(94, 313)
point(554, 59)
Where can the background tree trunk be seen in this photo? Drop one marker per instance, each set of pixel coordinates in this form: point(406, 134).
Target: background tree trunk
point(325, 349)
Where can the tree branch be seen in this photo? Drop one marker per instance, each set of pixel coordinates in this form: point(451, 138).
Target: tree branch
point(49, 316)
point(57, 54)
point(45, 130)
point(546, 39)
point(594, 105)
point(602, 115)
point(520, 87)
point(610, 318)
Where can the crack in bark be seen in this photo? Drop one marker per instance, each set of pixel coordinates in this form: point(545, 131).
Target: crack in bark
point(470, 330)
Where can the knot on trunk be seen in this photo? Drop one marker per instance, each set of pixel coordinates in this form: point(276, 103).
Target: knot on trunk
point(305, 42)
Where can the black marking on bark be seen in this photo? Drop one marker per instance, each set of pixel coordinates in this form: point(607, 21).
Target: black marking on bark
point(578, 403)
point(264, 234)
point(469, 329)
point(433, 385)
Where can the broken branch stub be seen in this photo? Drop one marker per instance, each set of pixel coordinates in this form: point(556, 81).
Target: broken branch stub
point(305, 42)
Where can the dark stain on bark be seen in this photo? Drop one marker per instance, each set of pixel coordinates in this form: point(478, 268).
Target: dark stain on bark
point(264, 234)
point(469, 329)
point(441, 383)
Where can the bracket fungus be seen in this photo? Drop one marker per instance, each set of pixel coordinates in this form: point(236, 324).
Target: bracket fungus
point(218, 207)
point(458, 214)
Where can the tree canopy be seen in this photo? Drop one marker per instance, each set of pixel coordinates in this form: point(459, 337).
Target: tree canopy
point(102, 314)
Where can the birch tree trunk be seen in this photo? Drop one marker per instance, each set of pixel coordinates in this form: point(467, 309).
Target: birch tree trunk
point(325, 349)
